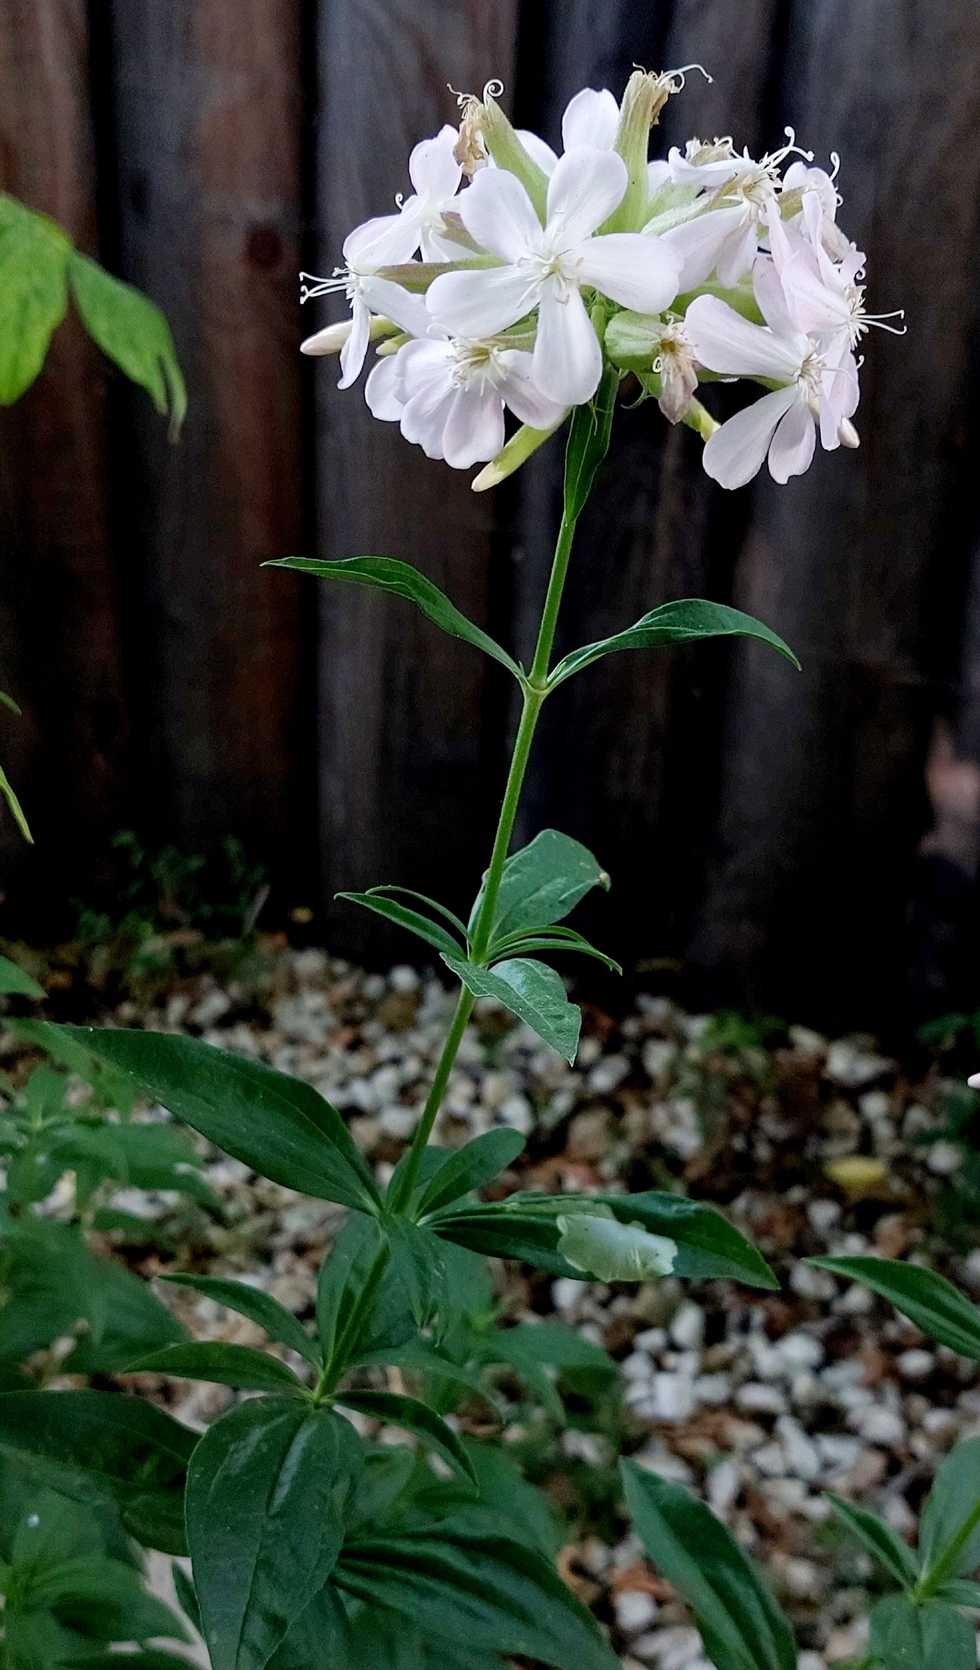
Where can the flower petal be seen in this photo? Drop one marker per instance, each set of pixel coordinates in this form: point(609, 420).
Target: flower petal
point(736, 451)
point(424, 419)
point(699, 242)
point(474, 430)
point(424, 370)
point(354, 351)
point(481, 302)
point(407, 310)
point(567, 360)
point(591, 118)
point(380, 390)
point(432, 166)
point(498, 213)
point(583, 192)
point(791, 452)
point(725, 342)
point(384, 241)
point(738, 252)
point(516, 384)
point(538, 150)
point(635, 271)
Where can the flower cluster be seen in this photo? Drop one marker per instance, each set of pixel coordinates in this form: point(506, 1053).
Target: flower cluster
point(512, 277)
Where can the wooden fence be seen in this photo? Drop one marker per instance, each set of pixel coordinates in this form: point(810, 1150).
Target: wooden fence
point(777, 833)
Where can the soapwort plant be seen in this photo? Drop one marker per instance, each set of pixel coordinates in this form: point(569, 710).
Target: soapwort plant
point(511, 282)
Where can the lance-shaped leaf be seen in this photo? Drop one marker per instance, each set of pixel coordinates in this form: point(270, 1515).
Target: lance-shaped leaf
point(404, 917)
point(906, 1636)
point(16, 810)
point(881, 1542)
point(261, 1308)
point(133, 333)
point(279, 1126)
point(526, 1226)
point(103, 1447)
point(521, 945)
point(14, 982)
point(423, 1359)
point(33, 293)
point(495, 1594)
point(530, 990)
point(926, 1298)
point(588, 443)
point(949, 1530)
point(391, 575)
point(412, 1416)
point(321, 1635)
point(267, 1491)
point(540, 884)
point(740, 1623)
point(684, 622)
point(470, 1167)
point(222, 1363)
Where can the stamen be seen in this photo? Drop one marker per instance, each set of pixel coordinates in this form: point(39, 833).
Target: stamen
point(310, 286)
point(835, 167)
point(677, 78)
point(879, 319)
point(493, 89)
point(774, 158)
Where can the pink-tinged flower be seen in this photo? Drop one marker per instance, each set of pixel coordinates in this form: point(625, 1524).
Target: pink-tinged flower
point(387, 240)
point(824, 297)
point(818, 389)
point(449, 397)
point(546, 267)
point(726, 222)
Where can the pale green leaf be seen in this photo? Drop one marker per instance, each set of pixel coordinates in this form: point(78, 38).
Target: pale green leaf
point(133, 333)
point(530, 990)
point(687, 621)
point(609, 1250)
point(33, 294)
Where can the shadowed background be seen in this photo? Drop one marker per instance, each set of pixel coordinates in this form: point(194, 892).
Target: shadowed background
point(807, 842)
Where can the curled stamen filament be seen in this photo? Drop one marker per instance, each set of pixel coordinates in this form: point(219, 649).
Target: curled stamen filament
point(677, 78)
point(310, 286)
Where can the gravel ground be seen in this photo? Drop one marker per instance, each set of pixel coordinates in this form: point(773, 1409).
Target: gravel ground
point(759, 1401)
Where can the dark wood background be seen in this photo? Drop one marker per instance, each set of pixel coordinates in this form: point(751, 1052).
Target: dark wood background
point(805, 842)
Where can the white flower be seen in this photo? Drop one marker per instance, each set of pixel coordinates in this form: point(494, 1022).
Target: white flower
point(723, 236)
point(390, 239)
point(974, 1081)
point(799, 177)
point(545, 268)
point(449, 397)
point(368, 295)
point(816, 388)
point(591, 118)
point(824, 297)
point(675, 365)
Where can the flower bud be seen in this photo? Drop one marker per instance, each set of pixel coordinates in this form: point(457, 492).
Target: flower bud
point(511, 456)
point(332, 338)
point(486, 119)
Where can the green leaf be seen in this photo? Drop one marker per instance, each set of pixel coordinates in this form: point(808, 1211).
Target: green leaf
point(412, 1416)
point(389, 1641)
point(418, 1263)
point(686, 621)
point(16, 810)
point(15, 982)
point(525, 1225)
point(186, 1594)
point(540, 884)
point(279, 1323)
point(267, 1491)
point(949, 1529)
point(880, 1541)
point(588, 443)
point(525, 943)
point(388, 574)
point(149, 1658)
point(909, 1637)
point(279, 1126)
point(92, 1593)
point(961, 1591)
point(133, 333)
point(321, 1635)
point(741, 1625)
point(470, 1167)
point(225, 1364)
point(603, 1247)
point(530, 990)
point(33, 294)
point(489, 1592)
point(423, 1359)
point(343, 1275)
point(423, 899)
point(403, 917)
point(927, 1299)
point(103, 1447)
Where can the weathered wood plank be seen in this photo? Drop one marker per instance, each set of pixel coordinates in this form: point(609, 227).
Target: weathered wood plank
point(209, 123)
point(823, 798)
point(406, 781)
point(60, 648)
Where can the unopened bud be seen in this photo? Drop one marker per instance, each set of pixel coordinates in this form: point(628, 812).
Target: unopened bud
point(847, 434)
point(512, 455)
point(484, 120)
point(332, 338)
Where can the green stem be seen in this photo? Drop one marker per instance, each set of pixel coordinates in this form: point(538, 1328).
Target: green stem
point(534, 695)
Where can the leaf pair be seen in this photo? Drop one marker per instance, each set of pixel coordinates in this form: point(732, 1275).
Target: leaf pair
point(38, 264)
